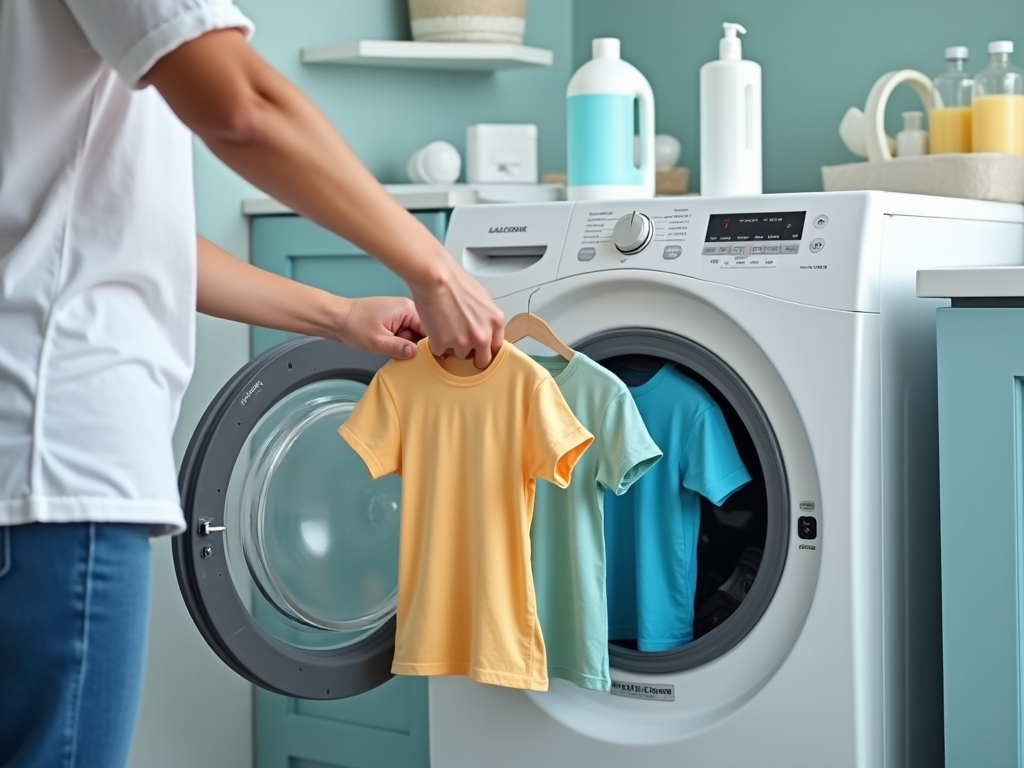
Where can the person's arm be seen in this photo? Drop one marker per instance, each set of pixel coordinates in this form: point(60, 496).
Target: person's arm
point(236, 290)
point(261, 126)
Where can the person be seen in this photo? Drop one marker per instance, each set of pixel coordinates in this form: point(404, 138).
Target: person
point(100, 277)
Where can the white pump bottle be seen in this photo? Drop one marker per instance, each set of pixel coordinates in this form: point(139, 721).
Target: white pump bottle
point(730, 120)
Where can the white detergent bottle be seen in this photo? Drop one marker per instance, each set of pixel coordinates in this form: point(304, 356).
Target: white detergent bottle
point(730, 120)
point(608, 102)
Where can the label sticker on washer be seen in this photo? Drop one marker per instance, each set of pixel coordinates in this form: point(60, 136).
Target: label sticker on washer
point(251, 392)
point(662, 692)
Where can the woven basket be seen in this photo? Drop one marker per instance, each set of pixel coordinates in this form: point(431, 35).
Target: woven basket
point(468, 21)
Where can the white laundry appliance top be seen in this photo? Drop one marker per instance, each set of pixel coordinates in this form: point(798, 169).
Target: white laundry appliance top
point(819, 249)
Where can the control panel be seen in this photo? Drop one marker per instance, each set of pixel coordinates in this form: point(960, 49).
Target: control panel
point(608, 234)
point(806, 247)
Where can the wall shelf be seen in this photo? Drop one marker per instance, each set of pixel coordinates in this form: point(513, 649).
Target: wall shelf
point(465, 57)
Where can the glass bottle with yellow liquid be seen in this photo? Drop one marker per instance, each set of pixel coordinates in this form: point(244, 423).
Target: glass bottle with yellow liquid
point(949, 119)
point(997, 106)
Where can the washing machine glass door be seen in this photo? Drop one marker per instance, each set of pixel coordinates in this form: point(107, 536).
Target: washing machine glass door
point(289, 566)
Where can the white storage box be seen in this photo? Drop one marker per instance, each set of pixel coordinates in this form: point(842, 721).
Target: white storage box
point(501, 154)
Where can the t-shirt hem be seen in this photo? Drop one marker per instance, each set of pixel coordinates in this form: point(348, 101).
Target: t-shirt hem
point(727, 486)
point(504, 679)
point(658, 646)
point(591, 682)
point(372, 465)
point(576, 441)
point(183, 28)
point(164, 518)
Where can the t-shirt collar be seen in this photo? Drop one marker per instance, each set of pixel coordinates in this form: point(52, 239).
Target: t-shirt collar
point(560, 368)
point(423, 348)
point(652, 382)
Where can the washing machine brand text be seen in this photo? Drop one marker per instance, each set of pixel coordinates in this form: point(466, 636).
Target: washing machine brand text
point(505, 230)
point(807, 546)
point(646, 691)
point(254, 390)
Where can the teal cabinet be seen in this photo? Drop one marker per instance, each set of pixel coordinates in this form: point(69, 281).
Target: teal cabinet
point(981, 447)
point(386, 727)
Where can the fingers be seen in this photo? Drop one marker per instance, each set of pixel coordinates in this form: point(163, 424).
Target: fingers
point(461, 317)
point(395, 346)
point(498, 337)
point(409, 335)
point(414, 322)
point(482, 357)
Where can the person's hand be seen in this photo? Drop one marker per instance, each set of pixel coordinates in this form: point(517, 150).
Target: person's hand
point(459, 315)
point(383, 325)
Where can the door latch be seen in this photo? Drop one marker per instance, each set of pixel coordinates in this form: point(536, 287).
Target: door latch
point(206, 527)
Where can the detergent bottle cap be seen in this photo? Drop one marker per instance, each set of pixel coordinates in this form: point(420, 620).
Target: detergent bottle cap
point(606, 48)
point(730, 46)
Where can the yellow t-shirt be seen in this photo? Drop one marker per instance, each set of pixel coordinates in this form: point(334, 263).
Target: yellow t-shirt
point(469, 450)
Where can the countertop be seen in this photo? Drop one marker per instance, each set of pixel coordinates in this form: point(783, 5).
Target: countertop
point(971, 282)
point(420, 197)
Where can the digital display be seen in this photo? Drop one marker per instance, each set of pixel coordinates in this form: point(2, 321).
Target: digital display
point(754, 227)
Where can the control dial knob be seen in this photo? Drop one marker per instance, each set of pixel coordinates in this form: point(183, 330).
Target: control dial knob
point(632, 233)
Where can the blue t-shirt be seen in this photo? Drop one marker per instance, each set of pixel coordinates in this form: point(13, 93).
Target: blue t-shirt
point(651, 531)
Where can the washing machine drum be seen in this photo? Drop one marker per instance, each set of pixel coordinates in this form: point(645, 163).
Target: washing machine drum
point(741, 548)
point(289, 566)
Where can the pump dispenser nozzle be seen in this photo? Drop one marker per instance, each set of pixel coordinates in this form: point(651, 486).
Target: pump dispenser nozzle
point(730, 46)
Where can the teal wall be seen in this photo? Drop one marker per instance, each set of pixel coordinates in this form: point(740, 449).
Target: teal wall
point(818, 57)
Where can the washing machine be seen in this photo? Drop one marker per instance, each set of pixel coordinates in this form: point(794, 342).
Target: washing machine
point(798, 314)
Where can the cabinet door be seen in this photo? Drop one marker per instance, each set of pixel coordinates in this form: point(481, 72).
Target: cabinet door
point(298, 249)
point(981, 448)
point(385, 727)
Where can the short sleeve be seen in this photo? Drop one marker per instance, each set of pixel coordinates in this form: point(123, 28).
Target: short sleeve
point(626, 448)
point(554, 439)
point(133, 35)
point(374, 431)
point(711, 465)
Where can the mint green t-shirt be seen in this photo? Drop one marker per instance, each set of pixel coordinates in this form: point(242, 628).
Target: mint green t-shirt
point(567, 534)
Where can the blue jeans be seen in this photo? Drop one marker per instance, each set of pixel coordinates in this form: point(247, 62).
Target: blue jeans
point(74, 610)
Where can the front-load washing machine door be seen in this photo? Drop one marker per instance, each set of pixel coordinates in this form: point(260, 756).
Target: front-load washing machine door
point(289, 565)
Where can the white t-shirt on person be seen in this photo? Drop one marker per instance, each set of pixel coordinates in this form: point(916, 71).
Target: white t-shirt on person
point(97, 258)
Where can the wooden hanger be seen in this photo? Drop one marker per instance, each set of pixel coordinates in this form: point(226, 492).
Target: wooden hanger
point(525, 324)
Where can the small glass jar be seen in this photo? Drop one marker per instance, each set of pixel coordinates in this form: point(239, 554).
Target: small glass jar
point(949, 119)
point(997, 104)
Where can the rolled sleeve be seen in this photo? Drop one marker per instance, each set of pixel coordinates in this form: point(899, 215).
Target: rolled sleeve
point(133, 35)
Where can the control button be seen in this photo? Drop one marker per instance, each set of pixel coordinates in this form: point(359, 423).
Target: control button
point(756, 249)
point(807, 527)
point(738, 250)
point(672, 252)
point(586, 254)
point(773, 249)
point(791, 248)
point(724, 250)
point(817, 245)
point(820, 221)
point(632, 233)
point(710, 250)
